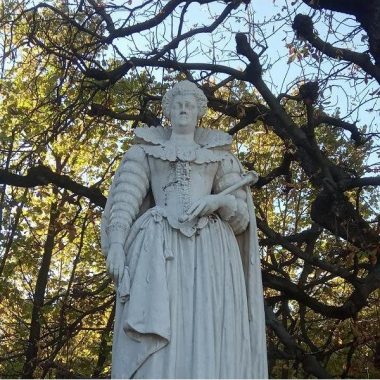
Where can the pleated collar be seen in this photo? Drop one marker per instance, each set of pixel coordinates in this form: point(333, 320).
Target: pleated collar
point(212, 145)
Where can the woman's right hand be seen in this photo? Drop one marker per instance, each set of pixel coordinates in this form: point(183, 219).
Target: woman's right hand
point(116, 261)
point(207, 205)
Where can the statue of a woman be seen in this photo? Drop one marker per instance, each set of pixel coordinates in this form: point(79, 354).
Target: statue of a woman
point(183, 252)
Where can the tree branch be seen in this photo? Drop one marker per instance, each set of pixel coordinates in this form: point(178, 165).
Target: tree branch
point(309, 362)
point(145, 116)
point(303, 26)
point(355, 133)
point(366, 12)
point(334, 212)
point(295, 250)
point(348, 184)
point(283, 169)
point(114, 75)
point(42, 175)
point(356, 301)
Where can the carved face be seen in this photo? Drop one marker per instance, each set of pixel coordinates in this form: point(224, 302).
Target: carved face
point(184, 113)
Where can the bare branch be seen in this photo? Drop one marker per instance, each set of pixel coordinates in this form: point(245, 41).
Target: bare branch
point(42, 175)
point(303, 26)
point(309, 362)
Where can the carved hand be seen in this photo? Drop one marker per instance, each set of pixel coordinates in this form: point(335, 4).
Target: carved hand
point(207, 205)
point(116, 261)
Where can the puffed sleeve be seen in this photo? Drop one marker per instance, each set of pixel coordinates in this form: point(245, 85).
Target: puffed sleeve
point(128, 190)
point(229, 172)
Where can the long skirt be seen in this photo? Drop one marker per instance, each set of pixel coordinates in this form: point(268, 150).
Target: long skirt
point(187, 299)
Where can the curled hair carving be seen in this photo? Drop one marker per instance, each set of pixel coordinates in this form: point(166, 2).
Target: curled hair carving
point(184, 88)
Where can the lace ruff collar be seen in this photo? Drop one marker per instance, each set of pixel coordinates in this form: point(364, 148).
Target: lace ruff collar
point(213, 145)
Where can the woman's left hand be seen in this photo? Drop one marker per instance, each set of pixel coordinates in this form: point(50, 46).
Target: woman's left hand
point(206, 205)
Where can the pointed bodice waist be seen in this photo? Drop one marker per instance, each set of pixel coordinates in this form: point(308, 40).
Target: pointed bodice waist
point(176, 185)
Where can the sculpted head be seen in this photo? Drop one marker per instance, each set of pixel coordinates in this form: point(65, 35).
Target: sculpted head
point(184, 105)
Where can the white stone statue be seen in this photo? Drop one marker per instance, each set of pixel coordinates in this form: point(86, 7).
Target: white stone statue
point(181, 245)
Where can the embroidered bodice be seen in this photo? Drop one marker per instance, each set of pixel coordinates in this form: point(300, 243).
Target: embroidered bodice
point(181, 175)
point(179, 185)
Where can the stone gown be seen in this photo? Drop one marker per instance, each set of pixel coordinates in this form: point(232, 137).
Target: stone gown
point(182, 307)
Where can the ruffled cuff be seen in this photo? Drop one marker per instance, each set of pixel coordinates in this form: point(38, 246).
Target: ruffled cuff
point(117, 233)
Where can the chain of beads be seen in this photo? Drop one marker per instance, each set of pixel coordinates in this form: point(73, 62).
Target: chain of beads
point(183, 172)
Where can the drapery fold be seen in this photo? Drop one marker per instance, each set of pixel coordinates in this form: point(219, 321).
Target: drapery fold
point(188, 312)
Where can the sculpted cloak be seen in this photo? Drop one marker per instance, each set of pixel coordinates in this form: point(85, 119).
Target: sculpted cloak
point(190, 303)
